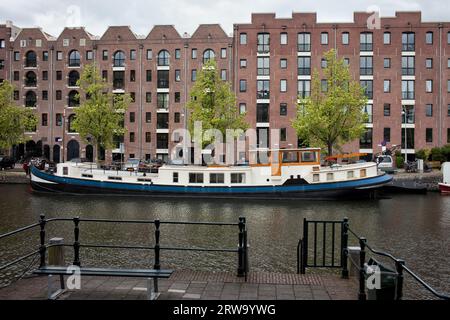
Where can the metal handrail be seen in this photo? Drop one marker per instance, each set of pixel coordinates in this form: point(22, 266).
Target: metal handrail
point(400, 266)
point(242, 249)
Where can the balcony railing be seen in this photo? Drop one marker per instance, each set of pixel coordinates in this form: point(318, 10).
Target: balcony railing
point(74, 62)
point(409, 119)
point(408, 95)
point(366, 47)
point(304, 47)
point(163, 84)
point(263, 48)
point(119, 84)
point(304, 94)
point(263, 71)
point(162, 144)
point(408, 71)
point(366, 71)
point(30, 83)
point(408, 47)
point(304, 71)
point(264, 94)
point(262, 116)
point(163, 62)
point(31, 63)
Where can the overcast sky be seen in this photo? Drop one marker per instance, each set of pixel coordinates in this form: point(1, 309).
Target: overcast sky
point(141, 15)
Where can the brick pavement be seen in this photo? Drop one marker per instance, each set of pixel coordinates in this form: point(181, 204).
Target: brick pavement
point(195, 285)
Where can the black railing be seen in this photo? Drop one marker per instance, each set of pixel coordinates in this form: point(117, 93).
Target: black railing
point(328, 257)
point(242, 249)
point(303, 258)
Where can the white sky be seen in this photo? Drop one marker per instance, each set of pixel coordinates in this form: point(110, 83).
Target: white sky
point(141, 15)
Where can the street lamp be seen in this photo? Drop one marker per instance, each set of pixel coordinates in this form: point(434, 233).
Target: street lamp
point(404, 113)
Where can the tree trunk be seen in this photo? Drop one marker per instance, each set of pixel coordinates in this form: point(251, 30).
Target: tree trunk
point(330, 149)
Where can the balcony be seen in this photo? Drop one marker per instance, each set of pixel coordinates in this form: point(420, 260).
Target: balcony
point(304, 94)
point(263, 71)
point(304, 71)
point(262, 113)
point(263, 94)
point(408, 71)
point(263, 48)
point(304, 47)
point(366, 47)
point(408, 47)
point(408, 95)
point(119, 84)
point(366, 71)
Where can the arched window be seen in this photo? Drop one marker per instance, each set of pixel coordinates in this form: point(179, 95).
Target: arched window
point(208, 55)
point(30, 99)
point(70, 121)
point(163, 58)
point(30, 79)
point(74, 76)
point(30, 59)
point(74, 59)
point(74, 99)
point(119, 59)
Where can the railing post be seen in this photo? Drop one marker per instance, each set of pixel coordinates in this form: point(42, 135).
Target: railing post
point(241, 268)
point(42, 248)
point(362, 272)
point(76, 243)
point(157, 265)
point(304, 246)
point(399, 266)
point(246, 266)
point(344, 249)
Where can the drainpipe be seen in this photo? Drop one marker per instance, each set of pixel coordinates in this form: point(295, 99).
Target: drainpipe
point(440, 87)
point(141, 46)
point(52, 107)
point(186, 57)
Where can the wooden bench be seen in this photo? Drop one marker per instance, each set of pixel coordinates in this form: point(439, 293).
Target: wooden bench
point(152, 293)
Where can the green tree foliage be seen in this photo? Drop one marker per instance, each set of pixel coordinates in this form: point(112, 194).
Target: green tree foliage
point(334, 115)
point(101, 116)
point(213, 103)
point(14, 120)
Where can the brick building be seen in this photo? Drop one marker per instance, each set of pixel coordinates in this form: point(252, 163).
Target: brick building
point(404, 66)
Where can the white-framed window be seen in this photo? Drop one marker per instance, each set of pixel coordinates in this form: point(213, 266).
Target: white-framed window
point(345, 38)
point(223, 53)
point(66, 42)
point(387, 38)
point(429, 86)
point(82, 42)
point(283, 38)
point(38, 43)
point(23, 43)
point(242, 108)
point(324, 38)
point(243, 38)
point(283, 85)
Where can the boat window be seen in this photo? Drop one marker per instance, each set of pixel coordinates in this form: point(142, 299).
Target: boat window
point(175, 177)
point(115, 178)
point(144, 180)
point(330, 176)
point(216, 178)
point(316, 177)
point(363, 173)
point(290, 157)
point(87, 175)
point(238, 178)
point(350, 174)
point(309, 156)
point(195, 177)
point(65, 171)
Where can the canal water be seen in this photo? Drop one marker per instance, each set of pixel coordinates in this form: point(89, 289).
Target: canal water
point(413, 227)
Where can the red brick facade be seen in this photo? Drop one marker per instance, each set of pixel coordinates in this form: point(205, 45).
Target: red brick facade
point(160, 82)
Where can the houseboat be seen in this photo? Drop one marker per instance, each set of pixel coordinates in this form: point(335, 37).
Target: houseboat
point(287, 174)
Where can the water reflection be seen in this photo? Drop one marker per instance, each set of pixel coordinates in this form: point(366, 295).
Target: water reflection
point(415, 227)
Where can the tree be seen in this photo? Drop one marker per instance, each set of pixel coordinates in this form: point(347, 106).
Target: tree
point(213, 103)
point(333, 114)
point(101, 116)
point(14, 120)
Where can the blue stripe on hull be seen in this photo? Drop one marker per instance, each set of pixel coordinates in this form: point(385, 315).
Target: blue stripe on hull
point(355, 184)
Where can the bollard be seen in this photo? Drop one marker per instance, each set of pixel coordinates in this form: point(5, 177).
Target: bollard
point(56, 252)
point(353, 255)
point(42, 247)
point(344, 249)
point(241, 258)
point(76, 243)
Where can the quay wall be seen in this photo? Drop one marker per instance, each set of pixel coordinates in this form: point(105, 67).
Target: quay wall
point(429, 180)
